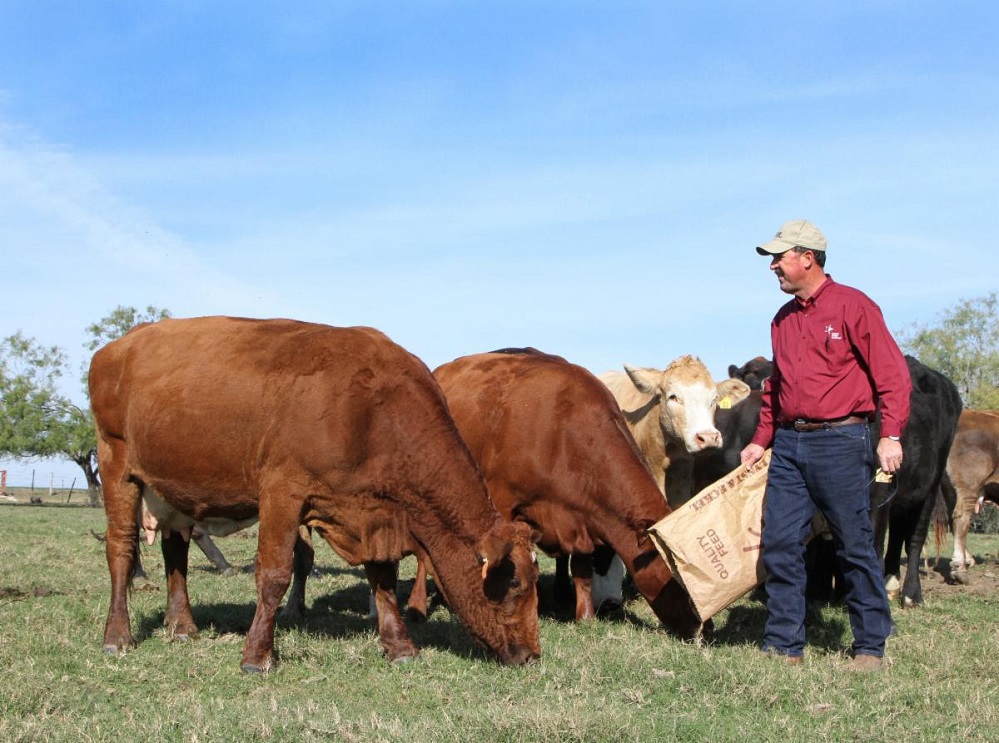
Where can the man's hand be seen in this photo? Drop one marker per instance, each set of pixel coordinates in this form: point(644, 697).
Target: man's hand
point(890, 455)
point(752, 454)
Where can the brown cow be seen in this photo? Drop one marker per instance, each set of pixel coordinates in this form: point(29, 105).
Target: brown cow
point(556, 453)
point(221, 420)
point(973, 470)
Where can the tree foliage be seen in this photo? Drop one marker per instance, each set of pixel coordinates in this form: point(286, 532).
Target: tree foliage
point(36, 421)
point(31, 404)
point(118, 322)
point(965, 347)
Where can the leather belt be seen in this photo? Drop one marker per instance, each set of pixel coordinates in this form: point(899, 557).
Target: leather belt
point(802, 425)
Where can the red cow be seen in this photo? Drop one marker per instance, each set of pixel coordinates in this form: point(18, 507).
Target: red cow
point(556, 453)
point(973, 471)
point(220, 421)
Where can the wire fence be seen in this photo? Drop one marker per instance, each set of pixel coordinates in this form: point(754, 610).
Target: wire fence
point(43, 479)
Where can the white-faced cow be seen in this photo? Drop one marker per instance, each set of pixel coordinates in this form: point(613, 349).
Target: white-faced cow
point(556, 454)
point(220, 421)
point(973, 472)
point(671, 414)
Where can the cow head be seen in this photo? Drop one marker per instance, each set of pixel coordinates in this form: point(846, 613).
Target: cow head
point(754, 372)
point(510, 583)
point(687, 398)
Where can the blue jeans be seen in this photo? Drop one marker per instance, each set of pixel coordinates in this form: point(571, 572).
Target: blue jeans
point(829, 470)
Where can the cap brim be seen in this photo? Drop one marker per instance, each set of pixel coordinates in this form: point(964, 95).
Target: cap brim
point(775, 247)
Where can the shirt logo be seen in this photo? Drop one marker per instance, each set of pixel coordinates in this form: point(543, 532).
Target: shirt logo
point(833, 335)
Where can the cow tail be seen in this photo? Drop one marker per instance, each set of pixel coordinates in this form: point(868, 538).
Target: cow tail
point(942, 514)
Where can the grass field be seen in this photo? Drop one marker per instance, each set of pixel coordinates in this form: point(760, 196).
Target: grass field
point(616, 679)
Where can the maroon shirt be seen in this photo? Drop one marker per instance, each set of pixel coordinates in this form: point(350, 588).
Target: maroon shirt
point(833, 357)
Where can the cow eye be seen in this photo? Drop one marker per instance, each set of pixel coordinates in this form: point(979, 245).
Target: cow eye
point(673, 398)
point(515, 583)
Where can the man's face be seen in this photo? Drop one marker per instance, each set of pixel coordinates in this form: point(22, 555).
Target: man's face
point(790, 270)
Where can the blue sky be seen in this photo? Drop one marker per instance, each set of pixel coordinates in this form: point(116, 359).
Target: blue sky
point(588, 178)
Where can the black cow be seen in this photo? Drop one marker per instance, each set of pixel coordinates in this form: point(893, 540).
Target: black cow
point(754, 372)
point(903, 509)
point(737, 426)
point(902, 513)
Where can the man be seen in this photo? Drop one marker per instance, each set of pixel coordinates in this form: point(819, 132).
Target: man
point(835, 366)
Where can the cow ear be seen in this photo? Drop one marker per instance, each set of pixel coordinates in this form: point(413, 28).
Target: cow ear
point(733, 370)
point(734, 389)
point(525, 532)
point(492, 549)
point(643, 379)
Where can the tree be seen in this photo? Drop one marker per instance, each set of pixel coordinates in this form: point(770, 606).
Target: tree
point(36, 421)
point(119, 322)
point(964, 346)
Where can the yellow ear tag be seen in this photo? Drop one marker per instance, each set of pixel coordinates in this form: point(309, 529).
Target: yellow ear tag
point(725, 403)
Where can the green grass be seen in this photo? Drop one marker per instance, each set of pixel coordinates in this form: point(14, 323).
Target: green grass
point(617, 679)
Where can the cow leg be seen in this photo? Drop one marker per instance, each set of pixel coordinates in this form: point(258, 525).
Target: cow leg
point(563, 583)
point(383, 576)
point(903, 533)
point(121, 504)
point(581, 567)
point(892, 556)
point(960, 563)
point(211, 550)
point(608, 580)
point(178, 619)
point(272, 573)
point(302, 563)
point(416, 607)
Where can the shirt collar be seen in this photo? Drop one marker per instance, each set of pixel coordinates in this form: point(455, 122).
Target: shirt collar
point(816, 294)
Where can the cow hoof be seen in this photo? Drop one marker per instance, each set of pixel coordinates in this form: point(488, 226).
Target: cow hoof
point(114, 650)
point(403, 660)
point(181, 633)
point(252, 668)
point(960, 576)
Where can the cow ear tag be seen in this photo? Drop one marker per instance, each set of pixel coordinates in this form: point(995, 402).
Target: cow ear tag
point(725, 403)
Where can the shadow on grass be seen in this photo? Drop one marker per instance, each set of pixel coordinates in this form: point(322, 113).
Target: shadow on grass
point(338, 614)
point(744, 624)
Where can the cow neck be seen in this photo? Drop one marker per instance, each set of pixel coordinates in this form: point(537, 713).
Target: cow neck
point(631, 503)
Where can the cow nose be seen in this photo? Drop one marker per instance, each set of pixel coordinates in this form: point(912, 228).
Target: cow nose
point(517, 653)
point(708, 439)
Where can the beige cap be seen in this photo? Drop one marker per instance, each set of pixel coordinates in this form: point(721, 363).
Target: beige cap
point(798, 233)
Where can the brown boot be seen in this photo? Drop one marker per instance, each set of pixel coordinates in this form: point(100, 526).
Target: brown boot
point(866, 663)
